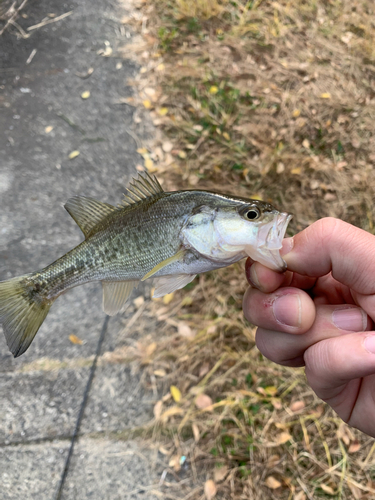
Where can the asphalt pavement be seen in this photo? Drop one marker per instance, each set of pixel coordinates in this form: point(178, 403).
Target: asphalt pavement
point(44, 72)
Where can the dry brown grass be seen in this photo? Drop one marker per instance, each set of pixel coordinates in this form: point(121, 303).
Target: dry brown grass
point(273, 100)
point(9, 11)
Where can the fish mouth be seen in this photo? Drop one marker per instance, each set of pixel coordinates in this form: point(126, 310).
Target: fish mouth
point(270, 241)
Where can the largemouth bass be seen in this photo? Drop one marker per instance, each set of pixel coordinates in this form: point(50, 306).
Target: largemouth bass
point(170, 236)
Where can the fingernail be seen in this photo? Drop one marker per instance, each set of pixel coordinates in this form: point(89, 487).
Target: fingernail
point(369, 344)
point(253, 277)
point(288, 244)
point(287, 310)
point(353, 319)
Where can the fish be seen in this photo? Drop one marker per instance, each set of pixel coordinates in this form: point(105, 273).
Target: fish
point(168, 236)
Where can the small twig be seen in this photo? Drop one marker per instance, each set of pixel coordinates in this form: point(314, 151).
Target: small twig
point(11, 19)
point(70, 123)
point(49, 21)
point(31, 56)
point(21, 30)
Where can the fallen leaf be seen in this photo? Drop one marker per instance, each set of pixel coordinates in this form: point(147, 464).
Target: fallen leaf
point(85, 94)
point(272, 483)
point(297, 406)
point(167, 146)
point(276, 403)
point(139, 301)
point(176, 394)
point(273, 461)
point(182, 154)
point(342, 119)
point(157, 409)
point(271, 390)
point(204, 369)
point(184, 329)
point(280, 167)
point(160, 67)
point(75, 340)
point(149, 163)
point(147, 104)
point(175, 462)
point(296, 113)
point(168, 298)
point(160, 373)
point(347, 37)
point(354, 447)
point(325, 95)
point(327, 489)
point(203, 401)
point(150, 92)
point(330, 197)
point(196, 432)
point(226, 136)
point(300, 496)
point(296, 171)
point(220, 473)
point(283, 438)
point(210, 489)
point(306, 144)
point(214, 89)
point(147, 351)
point(164, 450)
point(73, 155)
point(300, 122)
point(162, 111)
point(48, 129)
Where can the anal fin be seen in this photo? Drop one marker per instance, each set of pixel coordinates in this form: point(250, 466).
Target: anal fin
point(116, 294)
point(168, 284)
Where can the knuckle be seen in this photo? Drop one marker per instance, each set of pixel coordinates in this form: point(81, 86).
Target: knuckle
point(280, 351)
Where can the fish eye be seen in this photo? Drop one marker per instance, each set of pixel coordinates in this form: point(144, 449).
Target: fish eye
point(252, 214)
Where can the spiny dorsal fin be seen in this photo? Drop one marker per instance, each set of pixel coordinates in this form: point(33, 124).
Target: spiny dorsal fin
point(87, 212)
point(116, 294)
point(141, 188)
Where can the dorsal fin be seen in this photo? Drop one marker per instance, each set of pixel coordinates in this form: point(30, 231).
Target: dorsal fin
point(141, 188)
point(87, 212)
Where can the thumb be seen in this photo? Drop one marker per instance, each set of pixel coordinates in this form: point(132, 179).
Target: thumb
point(331, 245)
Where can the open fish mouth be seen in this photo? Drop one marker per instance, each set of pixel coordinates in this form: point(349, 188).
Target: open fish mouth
point(274, 241)
point(275, 236)
point(270, 241)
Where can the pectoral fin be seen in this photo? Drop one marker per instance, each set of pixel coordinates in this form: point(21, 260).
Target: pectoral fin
point(178, 256)
point(115, 295)
point(168, 284)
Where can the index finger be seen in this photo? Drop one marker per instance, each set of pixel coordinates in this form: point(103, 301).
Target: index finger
point(331, 245)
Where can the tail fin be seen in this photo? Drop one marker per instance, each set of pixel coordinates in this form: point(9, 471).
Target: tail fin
point(22, 311)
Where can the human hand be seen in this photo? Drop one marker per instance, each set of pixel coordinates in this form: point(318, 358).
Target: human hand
point(320, 314)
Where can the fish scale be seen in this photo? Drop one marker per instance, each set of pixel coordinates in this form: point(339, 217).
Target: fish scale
point(170, 236)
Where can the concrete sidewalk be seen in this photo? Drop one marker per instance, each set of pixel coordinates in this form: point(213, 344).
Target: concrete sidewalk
point(41, 394)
